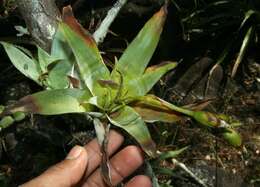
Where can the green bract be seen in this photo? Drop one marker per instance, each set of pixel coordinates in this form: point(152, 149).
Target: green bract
point(78, 81)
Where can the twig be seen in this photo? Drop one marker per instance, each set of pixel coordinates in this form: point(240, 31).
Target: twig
point(182, 166)
point(102, 31)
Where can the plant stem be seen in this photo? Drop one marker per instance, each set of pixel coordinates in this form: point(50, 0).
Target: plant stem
point(180, 109)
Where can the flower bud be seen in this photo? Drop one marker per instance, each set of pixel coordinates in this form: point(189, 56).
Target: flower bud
point(1, 108)
point(206, 118)
point(232, 137)
point(18, 116)
point(6, 122)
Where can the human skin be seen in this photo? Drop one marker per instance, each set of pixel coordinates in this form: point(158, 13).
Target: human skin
point(81, 166)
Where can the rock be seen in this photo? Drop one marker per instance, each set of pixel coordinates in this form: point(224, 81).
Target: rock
point(211, 176)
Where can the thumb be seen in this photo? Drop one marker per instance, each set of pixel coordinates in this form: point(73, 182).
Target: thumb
point(64, 174)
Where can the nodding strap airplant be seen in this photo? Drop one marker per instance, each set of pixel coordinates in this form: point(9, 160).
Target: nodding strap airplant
point(119, 97)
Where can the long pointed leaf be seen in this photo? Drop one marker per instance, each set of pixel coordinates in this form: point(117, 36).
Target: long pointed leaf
point(25, 64)
point(129, 120)
point(52, 102)
point(142, 85)
point(89, 60)
point(139, 52)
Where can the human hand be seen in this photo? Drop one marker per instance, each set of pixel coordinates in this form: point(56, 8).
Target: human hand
point(80, 168)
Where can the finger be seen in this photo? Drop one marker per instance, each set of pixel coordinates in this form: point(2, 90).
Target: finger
point(139, 180)
point(115, 140)
point(66, 173)
point(122, 165)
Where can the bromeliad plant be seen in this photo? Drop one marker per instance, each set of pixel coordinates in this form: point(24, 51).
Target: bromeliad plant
point(78, 81)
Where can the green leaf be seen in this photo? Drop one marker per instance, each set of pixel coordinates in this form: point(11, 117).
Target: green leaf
point(97, 101)
point(139, 52)
point(142, 85)
point(45, 59)
point(89, 60)
point(153, 109)
point(58, 75)
point(172, 154)
point(25, 64)
point(56, 66)
point(57, 78)
point(52, 102)
point(129, 120)
point(151, 174)
point(60, 48)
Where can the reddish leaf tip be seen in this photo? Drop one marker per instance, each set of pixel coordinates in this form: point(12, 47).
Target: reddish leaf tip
point(26, 104)
point(71, 21)
point(67, 13)
point(162, 13)
point(155, 67)
point(150, 148)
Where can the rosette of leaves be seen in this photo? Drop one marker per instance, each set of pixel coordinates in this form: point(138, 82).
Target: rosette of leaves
point(78, 81)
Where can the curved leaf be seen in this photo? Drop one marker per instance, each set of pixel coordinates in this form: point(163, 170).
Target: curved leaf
point(129, 120)
point(89, 60)
point(25, 64)
point(139, 52)
point(52, 102)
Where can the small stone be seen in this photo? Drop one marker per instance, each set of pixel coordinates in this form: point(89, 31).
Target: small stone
point(207, 157)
